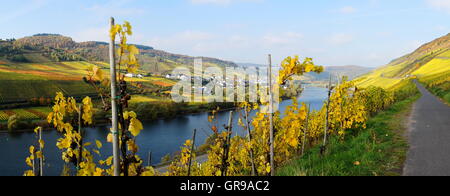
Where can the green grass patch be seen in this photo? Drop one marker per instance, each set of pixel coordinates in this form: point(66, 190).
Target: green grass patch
point(379, 150)
point(443, 94)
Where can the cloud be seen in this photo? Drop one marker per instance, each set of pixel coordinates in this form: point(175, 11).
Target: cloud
point(441, 28)
point(116, 8)
point(102, 34)
point(282, 39)
point(236, 47)
point(92, 34)
point(347, 10)
point(341, 39)
point(443, 5)
point(31, 6)
point(184, 42)
point(220, 2)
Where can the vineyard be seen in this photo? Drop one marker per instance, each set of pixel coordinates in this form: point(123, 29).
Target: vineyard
point(37, 113)
point(428, 61)
point(272, 139)
point(22, 82)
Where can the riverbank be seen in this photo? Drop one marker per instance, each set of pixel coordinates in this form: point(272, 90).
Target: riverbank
point(149, 111)
point(380, 150)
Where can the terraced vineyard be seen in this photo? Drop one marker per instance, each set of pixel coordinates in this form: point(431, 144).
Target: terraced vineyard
point(25, 81)
point(22, 82)
point(37, 113)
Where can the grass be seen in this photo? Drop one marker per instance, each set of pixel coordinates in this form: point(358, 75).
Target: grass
point(439, 85)
point(380, 150)
point(443, 94)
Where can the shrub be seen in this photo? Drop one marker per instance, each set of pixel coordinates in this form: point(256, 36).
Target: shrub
point(13, 122)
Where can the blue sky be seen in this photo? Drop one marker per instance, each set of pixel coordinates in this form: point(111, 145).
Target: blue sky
point(333, 32)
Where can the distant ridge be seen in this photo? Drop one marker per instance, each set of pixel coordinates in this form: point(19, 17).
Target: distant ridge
point(351, 71)
point(56, 47)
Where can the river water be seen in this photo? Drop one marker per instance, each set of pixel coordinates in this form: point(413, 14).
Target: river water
point(160, 137)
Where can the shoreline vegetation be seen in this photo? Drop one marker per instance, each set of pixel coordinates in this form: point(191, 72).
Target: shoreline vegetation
point(147, 111)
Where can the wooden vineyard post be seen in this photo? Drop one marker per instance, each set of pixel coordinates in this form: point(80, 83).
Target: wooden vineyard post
point(323, 149)
point(114, 116)
point(34, 164)
point(249, 137)
point(41, 159)
point(306, 129)
point(227, 144)
point(149, 159)
point(192, 152)
point(271, 142)
point(80, 113)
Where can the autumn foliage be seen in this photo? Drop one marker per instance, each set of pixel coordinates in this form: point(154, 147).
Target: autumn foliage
point(349, 108)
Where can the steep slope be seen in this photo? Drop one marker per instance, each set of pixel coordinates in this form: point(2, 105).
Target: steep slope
point(430, 59)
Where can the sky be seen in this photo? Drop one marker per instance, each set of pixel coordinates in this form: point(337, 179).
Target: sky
point(332, 32)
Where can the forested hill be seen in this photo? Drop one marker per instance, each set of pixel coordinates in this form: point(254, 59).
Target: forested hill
point(430, 60)
point(53, 47)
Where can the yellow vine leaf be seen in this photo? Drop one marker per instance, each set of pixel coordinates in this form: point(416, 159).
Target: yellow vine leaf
point(87, 110)
point(99, 144)
point(37, 129)
point(128, 28)
point(98, 73)
point(41, 144)
point(135, 127)
point(109, 138)
point(32, 149)
point(96, 151)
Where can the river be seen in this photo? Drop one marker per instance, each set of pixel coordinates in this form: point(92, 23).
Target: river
point(161, 137)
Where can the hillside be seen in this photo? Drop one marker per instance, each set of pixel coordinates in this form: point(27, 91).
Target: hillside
point(57, 48)
point(36, 67)
point(431, 59)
